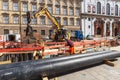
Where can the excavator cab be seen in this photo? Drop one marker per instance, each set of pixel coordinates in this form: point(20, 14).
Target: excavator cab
point(62, 35)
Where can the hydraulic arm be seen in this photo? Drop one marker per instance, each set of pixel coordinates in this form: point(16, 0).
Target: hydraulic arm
point(60, 34)
point(48, 14)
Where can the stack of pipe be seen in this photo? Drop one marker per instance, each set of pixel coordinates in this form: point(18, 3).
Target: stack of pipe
point(31, 70)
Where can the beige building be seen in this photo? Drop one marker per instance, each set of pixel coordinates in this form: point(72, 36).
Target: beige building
point(13, 15)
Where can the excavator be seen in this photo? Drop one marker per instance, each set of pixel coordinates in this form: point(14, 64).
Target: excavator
point(60, 34)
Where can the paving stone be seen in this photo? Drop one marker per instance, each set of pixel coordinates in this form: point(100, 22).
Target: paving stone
point(100, 72)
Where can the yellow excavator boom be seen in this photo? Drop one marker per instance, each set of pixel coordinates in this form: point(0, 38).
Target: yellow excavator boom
point(48, 14)
point(60, 34)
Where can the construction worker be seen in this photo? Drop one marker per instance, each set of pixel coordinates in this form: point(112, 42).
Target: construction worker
point(69, 42)
point(66, 34)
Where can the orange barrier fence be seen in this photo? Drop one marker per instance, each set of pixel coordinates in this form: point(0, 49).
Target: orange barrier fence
point(54, 48)
point(86, 44)
point(20, 49)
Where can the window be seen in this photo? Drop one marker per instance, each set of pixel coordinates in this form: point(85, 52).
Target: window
point(24, 20)
point(15, 6)
point(71, 11)
point(42, 32)
point(16, 31)
point(98, 31)
point(33, 0)
point(112, 11)
point(16, 19)
point(98, 8)
point(34, 21)
point(108, 9)
point(50, 33)
point(58, 20)
point(71, 2)
point(50, 9)
point(108, 27)
point(89, 19)
point(41, 1)
point(64, 2)
point(10, 31)
point(6, 19)
point(49, 22)
point(77, 12)
point(57, 2)
point(42, 20)
point(64, 10)
point(71, 22)
point(25, 7)
point(65, 21)
point(5, 5)
point(49, 1)
point(94, 9)
point(6, 31)
point(77, 3)
point(34, 30)
point(89, 8)
point(78, 22)
point(34, 7)
point(116, 10)
point(89, 26)
point(57, 10)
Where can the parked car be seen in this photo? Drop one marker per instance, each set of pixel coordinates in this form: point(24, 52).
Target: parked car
point(77, 35)
point(118, 39)
point(90, 37)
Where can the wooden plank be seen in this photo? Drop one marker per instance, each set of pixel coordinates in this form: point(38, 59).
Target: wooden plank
point(109, 63)
point(45, 78)
point(5, 62)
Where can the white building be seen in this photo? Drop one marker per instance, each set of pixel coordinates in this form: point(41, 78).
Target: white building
point(100, 17)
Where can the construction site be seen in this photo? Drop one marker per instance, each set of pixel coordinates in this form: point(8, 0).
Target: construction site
point(61, 55)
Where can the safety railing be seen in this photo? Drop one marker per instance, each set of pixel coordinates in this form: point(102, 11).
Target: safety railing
point(94, 45)
point(48, 49)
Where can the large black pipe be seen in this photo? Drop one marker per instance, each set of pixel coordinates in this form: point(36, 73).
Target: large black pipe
point(48, 60)
point(31, 72)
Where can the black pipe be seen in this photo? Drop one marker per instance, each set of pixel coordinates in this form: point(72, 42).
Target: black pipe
point(48, 60)
point(30, 72)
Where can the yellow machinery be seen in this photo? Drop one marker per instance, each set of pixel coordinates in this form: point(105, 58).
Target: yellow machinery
point(60, 34)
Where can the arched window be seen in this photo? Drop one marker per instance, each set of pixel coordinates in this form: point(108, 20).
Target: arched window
point(108, 9)
point(98, 8)
point(116, 10)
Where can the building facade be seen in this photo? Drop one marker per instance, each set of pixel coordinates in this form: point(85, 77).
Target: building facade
point(100, 17)
point(13, 15)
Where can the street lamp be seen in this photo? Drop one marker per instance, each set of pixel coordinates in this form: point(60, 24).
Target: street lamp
point(20, 20)
point(20, 31)
point(80, 14)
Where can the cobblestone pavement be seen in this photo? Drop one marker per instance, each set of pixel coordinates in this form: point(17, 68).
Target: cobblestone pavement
point(115, 48)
